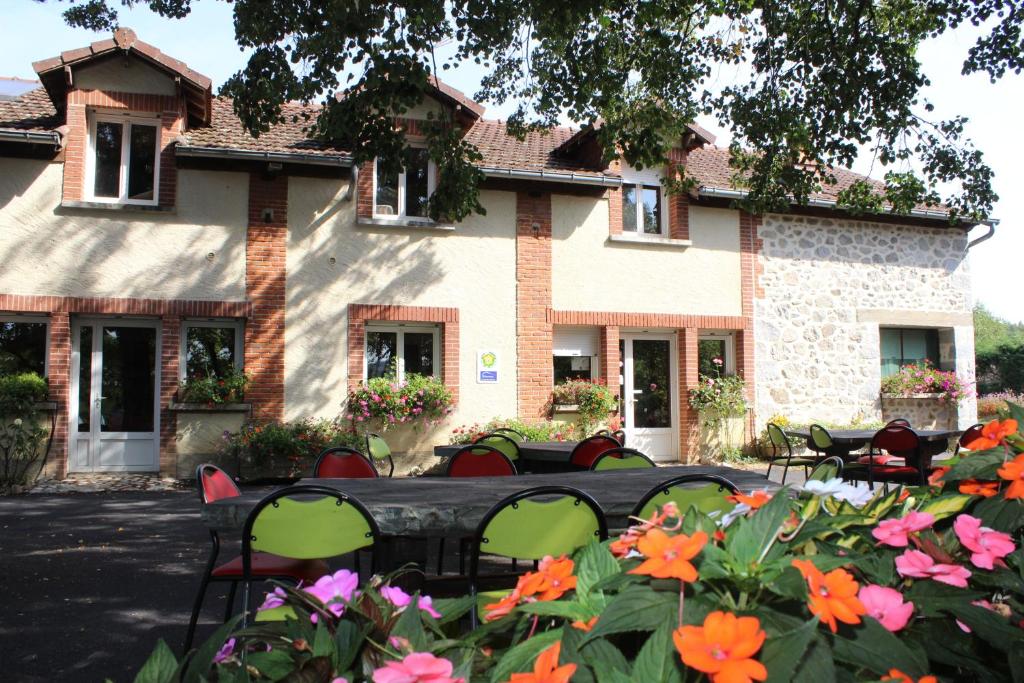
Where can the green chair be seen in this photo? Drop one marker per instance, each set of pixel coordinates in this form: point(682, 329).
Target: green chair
point(829, 468)
point(518, 437)
point(305, 523)
point(501, 443)
point(379, 451)
point(780, 442)
point(686, 492)
point(530, 524)
point(821, 443)
point(621, 459)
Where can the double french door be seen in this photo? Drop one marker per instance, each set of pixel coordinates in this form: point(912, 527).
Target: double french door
point(115, 409)
point(650, 404)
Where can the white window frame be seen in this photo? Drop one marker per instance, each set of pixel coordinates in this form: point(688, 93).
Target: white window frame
point(237, 325)
point(729, 367)
point(400, 329)
point(577, 350)
point(45, 320)
point(639, 186)
point(402, 215)
point(126, 121)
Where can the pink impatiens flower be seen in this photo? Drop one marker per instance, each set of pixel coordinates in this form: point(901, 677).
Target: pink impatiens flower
point(917, 565)
point(986, 545)
point(419, 667)
point(886, 605)
point(894, 532)
point(341, 584)
point(225, 652)
point(399, 598)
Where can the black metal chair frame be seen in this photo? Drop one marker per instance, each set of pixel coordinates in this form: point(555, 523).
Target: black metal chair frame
point(538, 491)
point(369, 453)
point(833, 460)
point(973, 430)
point(874, 450)
point(667, 485)
point(350, 452)
point(788, 457)
point(898, 422)
point(620, 436)
point(340, 497)
point(491, 435)
point(501, 430)
point(621, 451)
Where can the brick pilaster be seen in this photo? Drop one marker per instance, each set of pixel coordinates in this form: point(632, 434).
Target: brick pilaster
point(74, 154)
point(60, 390)
point(609, 357)
point(265, 254)
point(750, 267)
point(689, 420)
point(678, 203)
point(170, 129)
point(533, 299)
point(170, 354)
point(614, 196)
point(364, 190)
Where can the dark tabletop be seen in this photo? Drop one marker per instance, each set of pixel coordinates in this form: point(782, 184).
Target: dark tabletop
point(549, 451)
point(862, 436)
point(447, 507)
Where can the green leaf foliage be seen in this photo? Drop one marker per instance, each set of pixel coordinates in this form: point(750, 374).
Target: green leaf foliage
point(637, 608)
point(755, 533)
point(657, 660)
point(783, 653)
point(862, 644)
point(520, 657)
point(161, 667)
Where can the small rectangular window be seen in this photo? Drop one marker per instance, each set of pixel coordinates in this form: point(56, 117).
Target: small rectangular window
point(629, 208)
point(715, 355)
point(125, 157)
point(22, 346)
point(641, 209)
point(573, 367)
point(399, 350)
point(907, 346)
point(651, 210)
point(211, 348)
point(405, 194)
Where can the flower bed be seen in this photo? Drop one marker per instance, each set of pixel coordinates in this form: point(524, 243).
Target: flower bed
point(917, 380)
point(833, 582)
point(270, 449)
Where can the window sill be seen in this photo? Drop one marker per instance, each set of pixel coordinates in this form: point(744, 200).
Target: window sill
point(414, 223)
point(651, 240)
point(177, 407)
point(903, 397)
point(123, 208)
point(565, 408)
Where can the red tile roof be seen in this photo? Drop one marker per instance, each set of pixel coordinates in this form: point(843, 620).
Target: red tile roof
point(32, 111)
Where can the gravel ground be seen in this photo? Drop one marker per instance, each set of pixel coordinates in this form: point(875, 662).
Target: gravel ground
point(93, 580)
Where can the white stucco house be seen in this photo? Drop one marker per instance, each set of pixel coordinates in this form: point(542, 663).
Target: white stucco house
point(135, 212)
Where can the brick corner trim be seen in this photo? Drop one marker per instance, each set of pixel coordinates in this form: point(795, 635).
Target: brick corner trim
point(447, 318)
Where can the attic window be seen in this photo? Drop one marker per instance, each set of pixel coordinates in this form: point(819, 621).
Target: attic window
point(123, 160)
point(404, 194)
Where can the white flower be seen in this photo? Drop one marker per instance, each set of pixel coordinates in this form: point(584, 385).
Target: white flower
point(17, 422)
point(728, 518)
point(838, 489)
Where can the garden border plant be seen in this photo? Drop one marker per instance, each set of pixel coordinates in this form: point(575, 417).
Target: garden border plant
point(825, 582)
point(22, 438)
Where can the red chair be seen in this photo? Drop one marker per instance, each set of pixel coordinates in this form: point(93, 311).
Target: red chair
point(479, 460)
point(888, 444)
point(214, 484)
point(342, 462)
point(586, 451)
point(475, 460)
point(972, 433)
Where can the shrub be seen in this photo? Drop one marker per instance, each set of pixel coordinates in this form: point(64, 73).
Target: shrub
point(22, 440)
point(824, 582)
point(288, 448)
point(1001, 369)
point(992, 406)
point(594, 400)
point(229, 388)
point(925, 379)
point(718, 398)
point(19, 392)
point(533, 431)
point(421, 401)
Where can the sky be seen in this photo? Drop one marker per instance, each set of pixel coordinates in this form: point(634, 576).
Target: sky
point(205, 40)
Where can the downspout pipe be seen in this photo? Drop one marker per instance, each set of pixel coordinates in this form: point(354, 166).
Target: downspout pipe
point(989, 234)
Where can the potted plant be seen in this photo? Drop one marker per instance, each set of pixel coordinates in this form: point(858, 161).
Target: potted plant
point(591, 401)
point(281, 452)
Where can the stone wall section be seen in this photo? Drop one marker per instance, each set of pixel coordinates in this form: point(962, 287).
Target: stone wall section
point(822, 279)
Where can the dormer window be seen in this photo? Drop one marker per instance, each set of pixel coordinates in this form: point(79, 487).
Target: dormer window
point(404, 194)
point(123, 161)
point(641, 209)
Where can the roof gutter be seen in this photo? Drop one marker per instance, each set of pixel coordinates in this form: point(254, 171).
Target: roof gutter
point(989, 234)
point(31, 137)
point(551, 177)
point(715, 192)
point(247, 155)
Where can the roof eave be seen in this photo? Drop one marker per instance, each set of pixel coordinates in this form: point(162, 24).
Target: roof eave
point(31, 137)
point(234, 154)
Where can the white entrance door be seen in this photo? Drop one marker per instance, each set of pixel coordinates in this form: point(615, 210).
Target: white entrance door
point(650, 394)
point(115, 396)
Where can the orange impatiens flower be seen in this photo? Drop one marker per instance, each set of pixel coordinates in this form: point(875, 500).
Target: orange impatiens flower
point(993, 434)
point(627, 541)
point(900, 677)
point(935, 478)
point(755, 500)
point(723, 648)
point(985, 489)
point(551, 580)
point(546, 669)
point(1013, 472)
point(502, 608)
point(833, 596)
point(668, 557)
point(585, 626)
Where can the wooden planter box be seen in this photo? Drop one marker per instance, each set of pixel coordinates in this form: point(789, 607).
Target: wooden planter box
point(925, 411)
point(712, 440)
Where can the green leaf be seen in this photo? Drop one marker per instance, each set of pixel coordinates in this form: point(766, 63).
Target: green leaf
point(783, 653)
point(323, 644)
point(789, 584)
point(1016, 412)
point(594, 563)
point(931, 598)
point(989, 626)
point(273, 665)
point(313, 670)
point(567, 610)
point(817, 665)
point(410, 626)
point(756, 532)
point(1000, 514)
point(160, 667)
point(520, 658)
point(572, 638)
point(199, 665)
point(861, 646)
point(638, 608)
point(977, 466)
point(452, 609)
point(347, 641)
point(946, 505)
point(603, 656)
point(657, 660)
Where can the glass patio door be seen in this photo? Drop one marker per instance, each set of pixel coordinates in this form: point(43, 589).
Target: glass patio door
point(649, 394)
point(115, 405)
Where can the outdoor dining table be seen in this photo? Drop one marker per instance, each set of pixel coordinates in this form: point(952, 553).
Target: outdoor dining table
point(933, 441)
point(533, 451)
point(438, 507)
